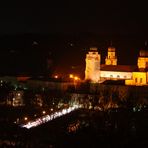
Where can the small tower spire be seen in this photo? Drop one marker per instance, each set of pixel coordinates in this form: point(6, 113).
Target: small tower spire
point(145, 43)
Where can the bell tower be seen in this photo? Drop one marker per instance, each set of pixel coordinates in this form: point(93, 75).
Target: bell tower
point(92, 70)
point(143, 58)
point(111, 58)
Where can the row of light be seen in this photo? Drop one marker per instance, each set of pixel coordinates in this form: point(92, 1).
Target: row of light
point(47, 118)
point(71, 76)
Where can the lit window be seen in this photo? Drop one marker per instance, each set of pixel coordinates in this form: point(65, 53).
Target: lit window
point(111, 76)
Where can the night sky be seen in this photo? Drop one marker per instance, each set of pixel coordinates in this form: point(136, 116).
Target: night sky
point(57, 24)
point(60, 16)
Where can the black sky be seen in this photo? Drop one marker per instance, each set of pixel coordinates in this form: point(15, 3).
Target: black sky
point(85, 23)
point(113, 17)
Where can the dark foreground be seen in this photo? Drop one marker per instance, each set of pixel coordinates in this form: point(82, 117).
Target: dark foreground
point(82, 128)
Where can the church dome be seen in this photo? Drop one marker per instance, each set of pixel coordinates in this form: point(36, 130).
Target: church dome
point(143, 53)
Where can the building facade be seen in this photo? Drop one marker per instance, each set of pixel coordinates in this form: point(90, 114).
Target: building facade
point(133, 75)
point(92, 71)
point(111, 58)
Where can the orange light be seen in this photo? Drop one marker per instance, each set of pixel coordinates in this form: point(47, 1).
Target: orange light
point(71, 76)
point(76, 78)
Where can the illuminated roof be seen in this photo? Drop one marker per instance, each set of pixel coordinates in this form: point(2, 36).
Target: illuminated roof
point(121, 68)
point(111, 49)
point(143, 53)
point(93, 49)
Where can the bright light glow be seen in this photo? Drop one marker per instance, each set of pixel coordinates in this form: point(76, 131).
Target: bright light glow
point(25, 118)
point(56, 76)
point(47, 118)
point(44, 112)
point(71, 76)
point(76, 78)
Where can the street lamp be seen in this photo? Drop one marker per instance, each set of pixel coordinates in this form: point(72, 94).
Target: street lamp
point(74, 79)
point(25, 118)
point(56, 76)
point(44, 112)
point(71, 76)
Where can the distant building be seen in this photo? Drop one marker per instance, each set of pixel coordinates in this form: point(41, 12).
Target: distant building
point(15, 98)
point(111, 58)
point(133, 75)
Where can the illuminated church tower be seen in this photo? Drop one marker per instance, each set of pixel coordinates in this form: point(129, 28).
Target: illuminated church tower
point(143, 59)
point(111, 58)
point(92, 70)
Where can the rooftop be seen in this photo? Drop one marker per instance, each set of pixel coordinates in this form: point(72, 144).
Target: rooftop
point(122, 68)
point(111, 49)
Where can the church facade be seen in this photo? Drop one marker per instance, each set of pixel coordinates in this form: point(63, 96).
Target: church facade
point(98, 73)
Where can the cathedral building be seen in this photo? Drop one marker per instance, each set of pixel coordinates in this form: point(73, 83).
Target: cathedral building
point(98, 73)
